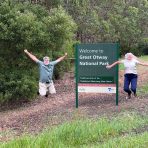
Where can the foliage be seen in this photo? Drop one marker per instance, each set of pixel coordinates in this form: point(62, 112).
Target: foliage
point(61, 28)
point(16, 86)
point(24, 25)
point(116, 132)
point(111, 21)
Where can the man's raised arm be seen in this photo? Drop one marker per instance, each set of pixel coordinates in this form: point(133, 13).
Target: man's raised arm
point(31, 56)
point(61, 58)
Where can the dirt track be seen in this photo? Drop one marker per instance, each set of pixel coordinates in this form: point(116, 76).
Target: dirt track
point(46, 112)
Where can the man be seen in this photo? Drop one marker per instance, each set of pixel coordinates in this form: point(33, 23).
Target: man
point(46, 72)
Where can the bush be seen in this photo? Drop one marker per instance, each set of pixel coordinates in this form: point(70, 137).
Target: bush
point(144, 46)
point(17, 86)
point(136, 51)
point(42, 32)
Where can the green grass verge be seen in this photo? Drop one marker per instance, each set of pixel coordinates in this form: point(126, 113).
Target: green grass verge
point(144, 58)
point(127, 141)
point(87, 133)
point(142, 90)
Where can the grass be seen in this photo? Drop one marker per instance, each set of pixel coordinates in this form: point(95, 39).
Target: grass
point(143, 90)
point(104, 132)
point(144, 58)
point(129, 141)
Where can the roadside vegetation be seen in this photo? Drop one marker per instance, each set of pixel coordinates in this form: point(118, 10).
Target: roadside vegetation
point(52, 28)
point(125, 130)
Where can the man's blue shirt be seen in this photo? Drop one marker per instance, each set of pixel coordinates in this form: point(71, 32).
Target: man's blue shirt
point(46, 71)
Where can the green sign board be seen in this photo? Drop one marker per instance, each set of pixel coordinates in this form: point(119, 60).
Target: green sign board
point(91, 72)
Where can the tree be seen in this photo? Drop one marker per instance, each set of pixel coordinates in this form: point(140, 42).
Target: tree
point(123, 21)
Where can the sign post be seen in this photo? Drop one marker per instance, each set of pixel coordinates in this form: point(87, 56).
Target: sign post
point(90, 70)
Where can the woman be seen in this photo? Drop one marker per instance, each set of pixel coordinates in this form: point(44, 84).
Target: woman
point(130, 76)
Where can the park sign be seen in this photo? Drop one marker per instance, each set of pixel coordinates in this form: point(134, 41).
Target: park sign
point(92, 76)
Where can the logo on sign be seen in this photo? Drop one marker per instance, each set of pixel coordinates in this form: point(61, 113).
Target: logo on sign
point(110, 89)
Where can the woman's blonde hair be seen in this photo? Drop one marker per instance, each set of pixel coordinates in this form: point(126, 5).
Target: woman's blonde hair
point(129, 53)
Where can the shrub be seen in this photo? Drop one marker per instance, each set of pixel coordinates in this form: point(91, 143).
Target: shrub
point(42, 32)
point(17, 86)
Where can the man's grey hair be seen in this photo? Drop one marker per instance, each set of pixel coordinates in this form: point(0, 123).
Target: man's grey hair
point(44, 58)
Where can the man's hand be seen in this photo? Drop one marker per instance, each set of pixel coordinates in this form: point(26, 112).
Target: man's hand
point(25, 50)
point(65, 54)
point(61, 58)
point(31, 55)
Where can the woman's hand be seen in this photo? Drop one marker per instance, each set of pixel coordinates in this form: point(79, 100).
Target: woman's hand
point(108, 67)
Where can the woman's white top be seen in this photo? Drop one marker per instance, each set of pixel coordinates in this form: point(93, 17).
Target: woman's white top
point(130, 66)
